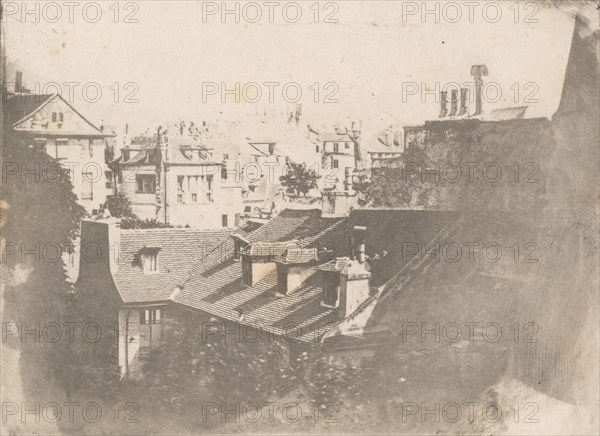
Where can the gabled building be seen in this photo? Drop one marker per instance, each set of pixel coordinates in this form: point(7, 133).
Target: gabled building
point(299, 280)
point(52, 124)
point(176, 179)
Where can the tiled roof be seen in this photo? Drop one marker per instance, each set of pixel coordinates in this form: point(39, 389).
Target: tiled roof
point(19, 106)
point(394, 232)
point(295, 255)
point(179, 250)
point(338, 264)
point(210, 279)
point(216, 287)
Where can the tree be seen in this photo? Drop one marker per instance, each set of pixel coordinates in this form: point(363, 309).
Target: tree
point(299, 179)
point(41, 217)
point(119, 206)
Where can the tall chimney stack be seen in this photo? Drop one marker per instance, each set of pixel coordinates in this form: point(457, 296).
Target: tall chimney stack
point(453, 102)
point(464, 93)
point(443, 104)
point(19, 82)
point(478, 71)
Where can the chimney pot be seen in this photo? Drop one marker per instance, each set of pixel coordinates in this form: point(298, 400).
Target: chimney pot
point(464, 93)
point(443, 104)
point(453, 102)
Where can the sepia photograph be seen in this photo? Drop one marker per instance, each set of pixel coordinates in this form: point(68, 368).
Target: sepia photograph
point(312, 217)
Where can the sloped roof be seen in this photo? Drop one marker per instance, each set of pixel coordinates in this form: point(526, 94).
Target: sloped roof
point(216, 287)
point(20, 106)
point(178, 251)
point(509, 113)
point(200, 264)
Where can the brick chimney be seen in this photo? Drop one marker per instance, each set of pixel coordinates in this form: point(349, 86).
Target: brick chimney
point(453, 102)
point(478, 71)
point(443, 104)
point(346, 280)
point(19, 82)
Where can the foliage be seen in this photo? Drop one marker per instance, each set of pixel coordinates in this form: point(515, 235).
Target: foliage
point(119, 206)
point(299, 179)
point(40, 216)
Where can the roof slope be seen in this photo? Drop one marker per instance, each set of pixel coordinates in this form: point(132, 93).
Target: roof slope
point(215, 286)
point(19, 106)
point(178, 251)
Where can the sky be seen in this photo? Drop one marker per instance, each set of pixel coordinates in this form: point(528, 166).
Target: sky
point(372, 65)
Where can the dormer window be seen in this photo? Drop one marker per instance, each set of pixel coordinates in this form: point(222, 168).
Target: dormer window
point(331, 289)
point(149, 260)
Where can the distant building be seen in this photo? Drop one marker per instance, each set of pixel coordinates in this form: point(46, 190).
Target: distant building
point(176, 179)
point(339, 150)
point(50, 123)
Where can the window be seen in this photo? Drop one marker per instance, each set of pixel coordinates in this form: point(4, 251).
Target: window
point(236, 250)
point(209, 181)
point(87, 186)
point(330, 289)
point(146, 184)
point(150, 262)
point(61, 117)
point(335, 163)
point(224, 220)
point(180, 198)
point(347, 145)
point(225, 156)
point(150, 316)
point(247, 272)
point(54, 117)
point(209, 197)
point(317, 147)
point(90, 146)
point(237, 219)
point(336, 147)
point(194, 198)
point(282, 281)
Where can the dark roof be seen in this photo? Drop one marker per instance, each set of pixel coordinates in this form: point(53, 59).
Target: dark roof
point(296, 255)
point(216, 287)
point(210, 279)
point(18, 106)
point(178, 251)
point(391, 235)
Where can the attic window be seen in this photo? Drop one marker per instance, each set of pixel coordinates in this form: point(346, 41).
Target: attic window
point(331, 287)
point(149, 260)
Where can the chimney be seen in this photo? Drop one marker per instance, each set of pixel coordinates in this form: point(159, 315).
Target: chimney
point(345, 285)
point(478, 71)
point(99, 250)
point(464, 93)
point(19, 81)
point(444, 104)
point(359, 234)
point(453, 102)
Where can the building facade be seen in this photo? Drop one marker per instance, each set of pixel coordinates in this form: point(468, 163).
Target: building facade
point(50, 123)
